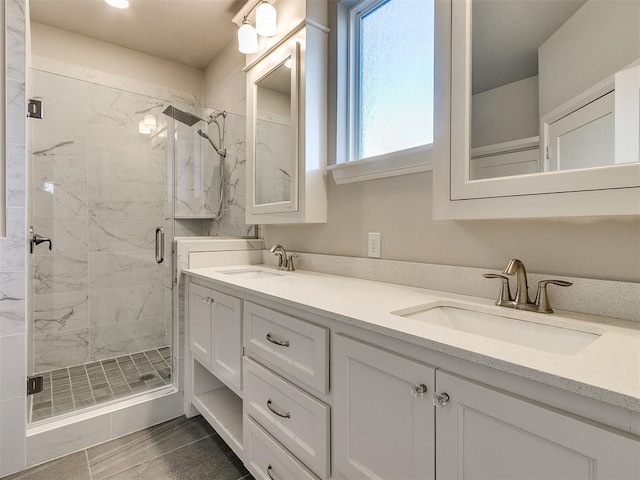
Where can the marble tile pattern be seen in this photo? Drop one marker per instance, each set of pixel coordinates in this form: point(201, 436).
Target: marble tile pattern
point(99, 191)
point(82, 386)
point(13, 251)
point(232, 222)
point(179, 449)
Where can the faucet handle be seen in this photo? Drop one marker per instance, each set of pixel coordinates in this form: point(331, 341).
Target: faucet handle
point(505, 293)
point(542, 297)
point(290, 266)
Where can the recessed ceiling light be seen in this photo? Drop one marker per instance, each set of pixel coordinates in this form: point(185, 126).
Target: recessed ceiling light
point(118, 3)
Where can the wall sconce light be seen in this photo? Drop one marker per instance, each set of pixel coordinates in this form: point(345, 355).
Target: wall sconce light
point(147, 125)
point(265, 21)
point(247, 38)
point(118, 3)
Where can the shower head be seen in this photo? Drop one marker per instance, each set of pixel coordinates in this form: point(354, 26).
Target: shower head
point(187, 118)
point(220, 151)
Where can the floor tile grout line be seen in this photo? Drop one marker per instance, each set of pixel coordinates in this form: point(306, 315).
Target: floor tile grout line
point(86, 456)
point(123, 375)
point(157, 457)
point(107, 379)
point(155, 369)
point(163, 360)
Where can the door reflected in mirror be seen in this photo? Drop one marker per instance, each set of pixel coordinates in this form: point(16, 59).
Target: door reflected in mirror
point(275, 140)
point(555, 86)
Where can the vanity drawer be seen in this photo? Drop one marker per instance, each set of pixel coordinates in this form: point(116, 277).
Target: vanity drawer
point(267, 460)
point(290, 415)
point(297, 347)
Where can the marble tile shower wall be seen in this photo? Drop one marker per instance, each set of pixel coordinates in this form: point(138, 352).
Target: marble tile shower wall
point(99, 191)
point(198, 181)
point(13, 256)
point(231, 222)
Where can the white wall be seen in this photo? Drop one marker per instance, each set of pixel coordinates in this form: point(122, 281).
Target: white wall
point(509, 112)
point(598, 40)
point(225, 82)
point(95, 54)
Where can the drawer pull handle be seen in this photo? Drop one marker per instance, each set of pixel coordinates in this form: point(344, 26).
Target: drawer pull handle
point(273, 410)
point(281, 343)
point(269, 468)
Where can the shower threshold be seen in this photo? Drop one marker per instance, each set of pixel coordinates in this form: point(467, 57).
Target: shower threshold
point(72, 389)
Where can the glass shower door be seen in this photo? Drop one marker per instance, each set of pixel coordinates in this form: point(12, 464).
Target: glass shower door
point(102, 179)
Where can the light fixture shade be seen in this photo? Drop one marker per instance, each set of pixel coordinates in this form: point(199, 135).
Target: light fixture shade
point(266, 19)
point(247, 39)
point(150, 121)
point(118, 3)
point(143, 128)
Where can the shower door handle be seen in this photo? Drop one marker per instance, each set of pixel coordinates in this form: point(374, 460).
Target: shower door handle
point(159, 245)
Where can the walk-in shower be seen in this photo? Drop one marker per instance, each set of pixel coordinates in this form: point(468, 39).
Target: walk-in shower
point(190, 119)
point(104, 316)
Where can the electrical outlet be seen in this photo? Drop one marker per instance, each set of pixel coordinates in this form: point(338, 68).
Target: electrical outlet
point(373, 245)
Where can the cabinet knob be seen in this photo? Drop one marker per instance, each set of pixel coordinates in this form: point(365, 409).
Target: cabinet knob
point(418, 391)
point(269, 468)
point(440, 399)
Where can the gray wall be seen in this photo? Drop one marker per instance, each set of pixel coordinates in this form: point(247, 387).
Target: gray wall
point(590, 46)
point(400, 208)
point(506, 113)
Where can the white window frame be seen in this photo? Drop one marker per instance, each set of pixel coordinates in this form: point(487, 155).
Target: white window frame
point(348, 167)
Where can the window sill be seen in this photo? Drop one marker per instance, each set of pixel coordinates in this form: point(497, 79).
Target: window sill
point(394, 164)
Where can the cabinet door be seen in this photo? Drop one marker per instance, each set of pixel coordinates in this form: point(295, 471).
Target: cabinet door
point(381, 430)
point(200, 323)
point(486, 434)
point(226, 339)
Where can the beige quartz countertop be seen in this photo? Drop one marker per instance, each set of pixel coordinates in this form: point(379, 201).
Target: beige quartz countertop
point(608, 369)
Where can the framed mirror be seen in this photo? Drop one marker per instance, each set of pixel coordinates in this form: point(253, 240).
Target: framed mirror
point(274, 167)
point(544, 103)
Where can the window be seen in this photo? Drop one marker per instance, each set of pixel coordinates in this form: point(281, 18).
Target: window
point(388, 87)
point(393, 73)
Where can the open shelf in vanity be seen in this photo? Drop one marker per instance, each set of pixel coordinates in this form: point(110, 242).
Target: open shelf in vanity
point(219, 405)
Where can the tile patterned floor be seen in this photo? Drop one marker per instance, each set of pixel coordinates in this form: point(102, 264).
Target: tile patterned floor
point(180, 449)
point(75, 388)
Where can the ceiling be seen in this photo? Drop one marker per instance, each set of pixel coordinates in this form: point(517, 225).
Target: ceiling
point(190, 32)
point(507, 34)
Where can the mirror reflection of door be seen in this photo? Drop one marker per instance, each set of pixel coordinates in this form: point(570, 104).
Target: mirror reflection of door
point(543, 80)
point(275, 142)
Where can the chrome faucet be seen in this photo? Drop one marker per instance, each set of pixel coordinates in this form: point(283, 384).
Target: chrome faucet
point(521, 301)
point(285, 262)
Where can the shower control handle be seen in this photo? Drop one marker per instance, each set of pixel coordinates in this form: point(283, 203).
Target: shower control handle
point(159, 245)
point(35, 239)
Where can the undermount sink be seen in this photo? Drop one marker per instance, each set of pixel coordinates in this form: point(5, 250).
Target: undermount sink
point(548, 338)
point(252, 273)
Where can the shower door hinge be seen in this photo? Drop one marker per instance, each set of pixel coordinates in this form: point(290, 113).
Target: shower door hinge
point(34, 108)
point(34, 384)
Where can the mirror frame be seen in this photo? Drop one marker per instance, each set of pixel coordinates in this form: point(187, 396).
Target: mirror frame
point(266, 66)
point(610, 190)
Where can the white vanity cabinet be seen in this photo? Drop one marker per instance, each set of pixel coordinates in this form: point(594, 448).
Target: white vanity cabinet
point(383, 413)
point(485, 433)
point(215, 333)
point(287, 428)
point(321, 398)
